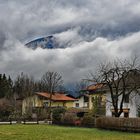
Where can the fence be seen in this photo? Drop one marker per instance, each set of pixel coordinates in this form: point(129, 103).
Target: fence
point(123, 124)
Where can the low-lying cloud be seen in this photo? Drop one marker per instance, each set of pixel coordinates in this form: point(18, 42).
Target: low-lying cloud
point(91, 32)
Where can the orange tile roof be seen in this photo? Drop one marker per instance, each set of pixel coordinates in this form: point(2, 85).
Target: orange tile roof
point(95, 87)
point(56, 96)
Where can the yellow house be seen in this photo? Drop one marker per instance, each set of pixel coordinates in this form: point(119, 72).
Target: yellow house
point(96, 97)
point(42, 100)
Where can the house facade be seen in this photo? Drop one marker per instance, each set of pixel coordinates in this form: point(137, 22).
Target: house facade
point(130, 105)
point(82, 101)
point(97, 99)
point(42, 100)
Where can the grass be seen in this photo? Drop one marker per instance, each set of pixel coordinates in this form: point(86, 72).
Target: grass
point(47, 132)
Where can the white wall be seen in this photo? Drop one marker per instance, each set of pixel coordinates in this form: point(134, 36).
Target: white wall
point(131, 105)
point(81, 102)
point(137, 102)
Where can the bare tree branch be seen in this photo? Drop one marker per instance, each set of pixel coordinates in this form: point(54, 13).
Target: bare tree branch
point(121, 79)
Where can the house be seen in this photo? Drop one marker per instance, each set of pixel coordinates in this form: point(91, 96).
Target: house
point(130, 105)
point(94, 93)
point(42, 100)
point(97, 98)
point(128, 88)
point(82, 101)
point(127, 93)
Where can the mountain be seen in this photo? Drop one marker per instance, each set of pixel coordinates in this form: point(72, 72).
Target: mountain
point(44, 43)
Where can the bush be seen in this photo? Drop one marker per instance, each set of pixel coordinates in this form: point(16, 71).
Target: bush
point(5, 113)
point(124, 124)
point(35, 114)
point(69, 119)
point(41, 113)
point(15, 116)
point(27, 116)
point(88, 120)
point(57, 114)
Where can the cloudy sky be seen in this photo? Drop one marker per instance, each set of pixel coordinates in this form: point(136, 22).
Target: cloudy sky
point(92, 31)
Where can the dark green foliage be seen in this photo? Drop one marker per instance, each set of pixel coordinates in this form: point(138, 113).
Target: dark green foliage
point(35, 114)
point(15, 116)
point(80, 114)
point(41, 113)
point(27, 116)
point(4, 114)
point(88, 120)
point(57, 114)
point(6, 86)
point(69, 118)
point(5, 111)
point(98, 106)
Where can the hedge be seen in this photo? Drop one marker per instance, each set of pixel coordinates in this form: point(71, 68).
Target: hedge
point(88, 120)
point(69, 119)
point(57, 114)
point(123, 124)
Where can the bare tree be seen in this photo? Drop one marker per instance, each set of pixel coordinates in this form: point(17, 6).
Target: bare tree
point(24, 85)
point(51, 82)
point(120, 79)
point(81, 85)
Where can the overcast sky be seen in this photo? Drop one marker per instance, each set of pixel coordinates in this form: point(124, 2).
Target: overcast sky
point(93, 31)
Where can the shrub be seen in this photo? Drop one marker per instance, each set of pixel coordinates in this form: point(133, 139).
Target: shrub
point(41, 113)
point(124, 124)
point(69, 119)
point(98, 106)
point(27, 116)
point(15, 116)
point(5, 113)
point(57, 114)
point(88, 120)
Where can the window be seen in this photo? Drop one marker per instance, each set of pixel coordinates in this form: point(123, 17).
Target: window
point(126, 98)
point(77, 104)
point(86, 99)
point(126, 114)
point(46, 104)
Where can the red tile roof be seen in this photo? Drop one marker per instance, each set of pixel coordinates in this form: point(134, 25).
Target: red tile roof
point(56, 96)
point(95, 87)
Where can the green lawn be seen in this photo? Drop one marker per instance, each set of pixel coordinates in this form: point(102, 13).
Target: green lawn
point(45, 132)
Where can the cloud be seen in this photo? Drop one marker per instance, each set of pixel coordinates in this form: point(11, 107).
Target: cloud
point(30, 19)
point(74, 63)
point(90, 31)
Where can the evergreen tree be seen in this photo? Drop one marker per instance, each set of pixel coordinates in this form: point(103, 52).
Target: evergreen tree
point(6, 86)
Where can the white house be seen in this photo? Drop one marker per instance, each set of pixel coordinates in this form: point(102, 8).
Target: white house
point(82, 101)
point(130, 105)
